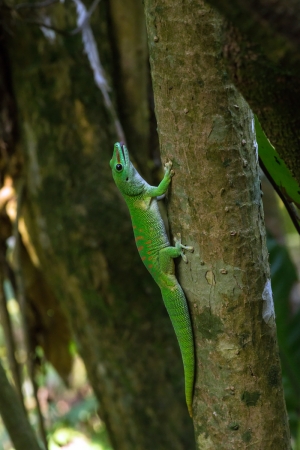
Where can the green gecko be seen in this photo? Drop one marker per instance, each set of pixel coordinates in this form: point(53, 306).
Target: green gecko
point(156, 252)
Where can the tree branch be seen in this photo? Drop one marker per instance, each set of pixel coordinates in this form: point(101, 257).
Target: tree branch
point(14, 417)
point(9, 338)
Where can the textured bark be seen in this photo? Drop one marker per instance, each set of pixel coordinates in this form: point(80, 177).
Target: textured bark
point(206, 129)
point(274, 24)
point(262, 50)
point(78, 234)
point(273, 93)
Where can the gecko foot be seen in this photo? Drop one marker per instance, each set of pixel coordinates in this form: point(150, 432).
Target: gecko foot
point(187, 247)
point(184, 257)
point(168, 168)
point(178, 244)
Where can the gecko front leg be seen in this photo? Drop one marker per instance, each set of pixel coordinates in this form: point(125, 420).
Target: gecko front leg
point(162, 188)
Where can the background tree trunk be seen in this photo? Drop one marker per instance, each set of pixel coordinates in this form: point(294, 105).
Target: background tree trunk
point(77, 230)
point(261, 47)
point(206, 129)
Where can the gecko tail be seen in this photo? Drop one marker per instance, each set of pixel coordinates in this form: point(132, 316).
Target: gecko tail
point(175, 302)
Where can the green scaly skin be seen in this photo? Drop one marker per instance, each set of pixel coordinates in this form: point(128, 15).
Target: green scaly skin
point(156, 252)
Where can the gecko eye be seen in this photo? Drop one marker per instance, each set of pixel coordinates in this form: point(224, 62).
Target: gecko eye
point(119, 167)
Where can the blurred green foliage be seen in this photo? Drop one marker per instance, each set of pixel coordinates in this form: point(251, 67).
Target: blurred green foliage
point(284, 276)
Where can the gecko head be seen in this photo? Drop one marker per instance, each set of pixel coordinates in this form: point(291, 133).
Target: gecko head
point(125, 175)
point(120, 159)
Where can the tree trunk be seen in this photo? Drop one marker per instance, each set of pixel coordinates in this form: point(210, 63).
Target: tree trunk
point(206, 129)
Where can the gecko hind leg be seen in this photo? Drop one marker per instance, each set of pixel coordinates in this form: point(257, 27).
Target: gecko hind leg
point(182, 247)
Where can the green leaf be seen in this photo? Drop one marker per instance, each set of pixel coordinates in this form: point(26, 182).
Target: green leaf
point(279, 174)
